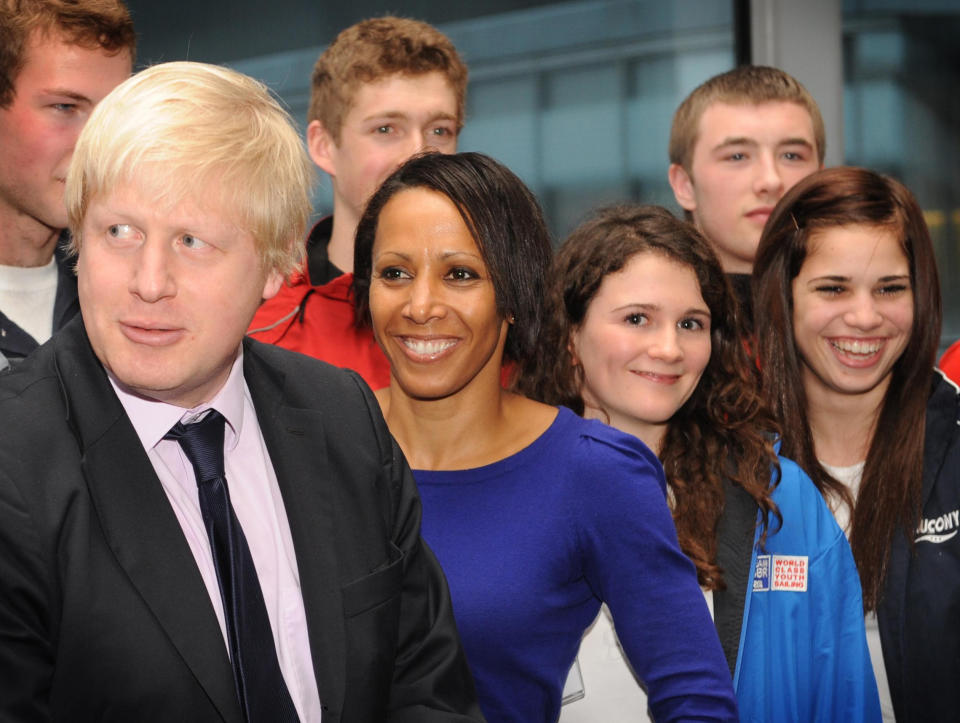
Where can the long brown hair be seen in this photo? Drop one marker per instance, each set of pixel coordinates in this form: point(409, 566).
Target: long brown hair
point(893, 473)
point(723, 430)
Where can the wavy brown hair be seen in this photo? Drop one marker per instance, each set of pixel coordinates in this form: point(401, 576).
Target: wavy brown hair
point(893, 473)
point(723, 430)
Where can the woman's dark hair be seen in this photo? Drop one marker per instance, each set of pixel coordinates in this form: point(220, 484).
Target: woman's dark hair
point(723, 431)
point(504, 219)
point(892, 475)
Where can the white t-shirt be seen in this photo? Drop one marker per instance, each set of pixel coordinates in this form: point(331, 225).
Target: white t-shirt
point(27, 296)
point(851, 477)
point(601, 685)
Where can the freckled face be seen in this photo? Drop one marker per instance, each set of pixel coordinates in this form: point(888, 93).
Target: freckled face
point(389, 121)
point(166, 294)
point(644, 344)
point(432, 301)
point(852, 310)
point(56, 91)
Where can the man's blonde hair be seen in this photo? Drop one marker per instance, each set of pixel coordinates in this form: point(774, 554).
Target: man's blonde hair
point(745, 85)
point(188, 130)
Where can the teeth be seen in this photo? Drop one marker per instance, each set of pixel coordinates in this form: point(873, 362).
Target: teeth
point(857, 347)
point(428, 347)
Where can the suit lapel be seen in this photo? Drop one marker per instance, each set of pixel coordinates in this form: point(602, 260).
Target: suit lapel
point(300, 461)
point(138, 522)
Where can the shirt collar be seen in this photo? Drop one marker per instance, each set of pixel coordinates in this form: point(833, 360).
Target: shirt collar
point(152, 419)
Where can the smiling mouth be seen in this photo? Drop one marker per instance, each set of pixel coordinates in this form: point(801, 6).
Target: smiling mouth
point(428, 348)
point(856, 347)
point(658, 378)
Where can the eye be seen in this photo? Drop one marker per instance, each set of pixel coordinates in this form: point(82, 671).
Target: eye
point(192, 242)
point(120, 231)
point(736, 156)
point(893, 289)
point(462, 273)
point(635, 319)
point(830, 289)
point(384, 130)
point(392, 273)
point(64, 107)
point(691, 324)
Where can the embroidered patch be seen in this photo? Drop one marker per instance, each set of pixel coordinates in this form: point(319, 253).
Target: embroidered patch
point(789, 572)
point(761, 578)
point(780, 572)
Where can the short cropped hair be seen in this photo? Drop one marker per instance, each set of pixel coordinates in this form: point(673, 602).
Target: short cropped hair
point(88, 23)
point(745, 85)
point(506, 223)
point(372, 50)
point(189, 129)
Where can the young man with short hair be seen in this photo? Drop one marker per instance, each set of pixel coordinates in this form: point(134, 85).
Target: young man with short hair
point(195, 526)
point(57, 61)
point(738, 142)
point(385, 89)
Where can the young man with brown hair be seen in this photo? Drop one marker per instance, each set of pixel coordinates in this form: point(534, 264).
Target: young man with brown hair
point(738, 142)
point(385, 89)
point(57, 61)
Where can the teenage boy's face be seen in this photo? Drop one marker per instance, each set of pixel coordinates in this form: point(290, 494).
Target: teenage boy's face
point(745, 158)
point(390, 120)
point(55, 92)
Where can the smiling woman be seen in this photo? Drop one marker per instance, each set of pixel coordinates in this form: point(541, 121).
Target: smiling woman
point(642, 331)
point(536, 515)
point(848, 321)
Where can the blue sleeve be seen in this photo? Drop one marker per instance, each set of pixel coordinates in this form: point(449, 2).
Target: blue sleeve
point(633, 562)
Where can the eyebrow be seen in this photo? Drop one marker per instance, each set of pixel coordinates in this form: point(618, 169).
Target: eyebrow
point(746, 141)
point(443, 256)
point(831, 277)
point(393, 114)
point(63, 92)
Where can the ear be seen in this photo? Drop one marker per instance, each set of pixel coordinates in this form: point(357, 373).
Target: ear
point(272, 284)
point(682, 186)
point(321, 147)
point(572, 344)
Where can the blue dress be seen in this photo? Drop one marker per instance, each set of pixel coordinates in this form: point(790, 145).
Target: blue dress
point(533, 543)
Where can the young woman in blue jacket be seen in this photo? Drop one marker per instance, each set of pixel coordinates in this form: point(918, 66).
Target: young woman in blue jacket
point(642, 333)
point(848, 317)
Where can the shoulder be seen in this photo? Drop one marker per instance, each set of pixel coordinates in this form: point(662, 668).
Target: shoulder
point(596, 454)
point(808, 523)
point(305, 380)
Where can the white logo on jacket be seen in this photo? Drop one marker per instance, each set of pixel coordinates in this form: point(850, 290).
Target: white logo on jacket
point(939, 529)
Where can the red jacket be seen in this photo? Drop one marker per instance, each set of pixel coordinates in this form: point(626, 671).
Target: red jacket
point(319, 321)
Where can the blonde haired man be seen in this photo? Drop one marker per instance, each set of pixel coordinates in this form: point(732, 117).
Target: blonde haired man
point(194, 526)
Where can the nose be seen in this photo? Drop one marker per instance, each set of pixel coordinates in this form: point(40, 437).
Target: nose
point(665, 345)
point(152, 278)
point(424, 303)
point(768, 181)
point(863, 313)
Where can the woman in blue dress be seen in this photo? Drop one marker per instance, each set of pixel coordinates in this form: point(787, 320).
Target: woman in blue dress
point(536, 515)
point(642, 332)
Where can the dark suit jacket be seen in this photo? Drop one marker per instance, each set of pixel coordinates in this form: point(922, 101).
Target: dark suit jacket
point(103, 614)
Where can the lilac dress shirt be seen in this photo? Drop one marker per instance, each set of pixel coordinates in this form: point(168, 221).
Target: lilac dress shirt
point(255, 496)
